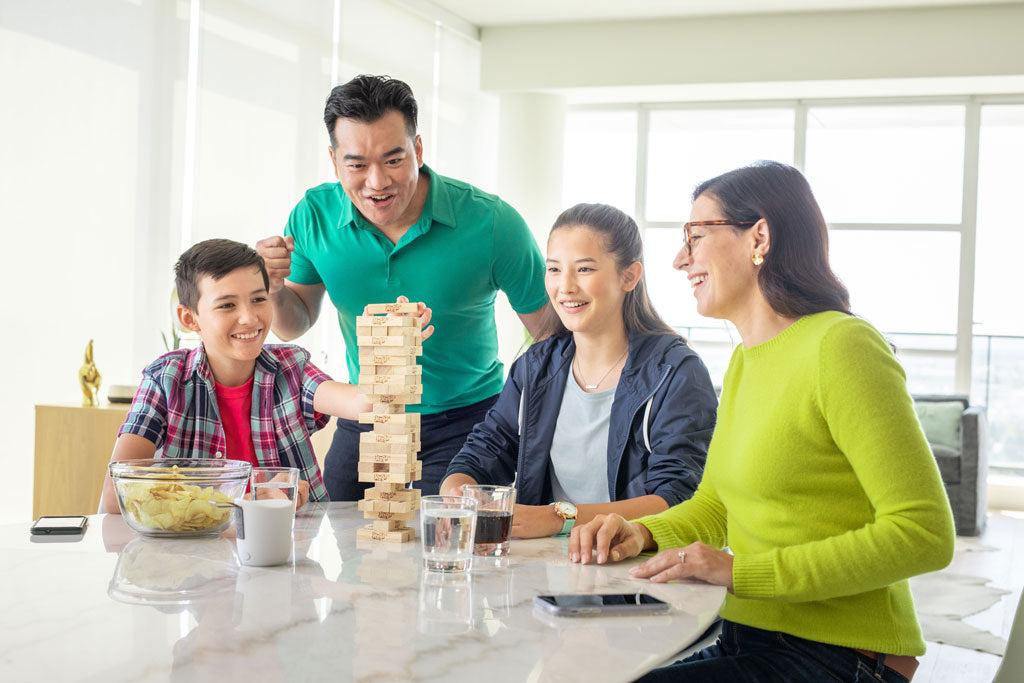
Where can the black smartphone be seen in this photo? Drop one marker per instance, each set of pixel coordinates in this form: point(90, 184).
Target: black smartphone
point(68, 524)
point(592, 605)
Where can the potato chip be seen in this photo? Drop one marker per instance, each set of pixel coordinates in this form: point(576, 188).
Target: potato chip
point(173, 506)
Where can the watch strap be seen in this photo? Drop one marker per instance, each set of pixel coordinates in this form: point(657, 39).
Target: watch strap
point(567, 526)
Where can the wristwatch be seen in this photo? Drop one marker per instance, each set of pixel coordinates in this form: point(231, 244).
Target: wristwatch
point(567, 511)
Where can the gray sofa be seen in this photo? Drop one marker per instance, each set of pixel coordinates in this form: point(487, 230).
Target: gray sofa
point(958, 435)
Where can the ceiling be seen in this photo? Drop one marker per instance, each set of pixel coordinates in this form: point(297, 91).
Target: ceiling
point(485, 13)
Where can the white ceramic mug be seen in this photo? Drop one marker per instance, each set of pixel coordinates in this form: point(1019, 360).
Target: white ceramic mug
point(263, 531)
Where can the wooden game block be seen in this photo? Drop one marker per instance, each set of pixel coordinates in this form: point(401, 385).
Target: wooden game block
point(369, 353)
point(403, 399)
point(388, 477)
point(388, 524)
point(372, 448)
point(387, 321)
point(375, 359)
point(400, 536)
point(407, 333)
point(386, 457)
point(391, 467)
point(377, 309)
point(401, 507)
point(389, 331)
point(385, 487)
point(411, 429)
point(371, 506)
point(391, 380)
point(389, 341)
point(373, 389)
point(397, 495)
point(391, 370)
point(388, 408)
point(389, 509)
point(392, 519)
point(381, 437)
point(390, 418)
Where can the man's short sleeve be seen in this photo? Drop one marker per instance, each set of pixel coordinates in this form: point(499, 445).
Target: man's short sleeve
point(300, 225)
point(148, 415)
point(517, 265)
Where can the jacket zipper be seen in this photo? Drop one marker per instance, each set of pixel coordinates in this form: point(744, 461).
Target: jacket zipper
point(635, 411)
point(522, 427)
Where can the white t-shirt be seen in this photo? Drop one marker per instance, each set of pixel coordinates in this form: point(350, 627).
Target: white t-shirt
point(579, 448)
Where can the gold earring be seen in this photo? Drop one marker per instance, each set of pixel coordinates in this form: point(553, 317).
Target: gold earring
point(757, 259)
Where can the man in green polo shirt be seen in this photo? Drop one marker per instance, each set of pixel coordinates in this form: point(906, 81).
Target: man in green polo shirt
point(393, 227)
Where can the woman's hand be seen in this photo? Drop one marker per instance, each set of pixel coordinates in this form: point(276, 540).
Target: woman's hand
point(608, 536)
point(695, 561)
point(535, 521)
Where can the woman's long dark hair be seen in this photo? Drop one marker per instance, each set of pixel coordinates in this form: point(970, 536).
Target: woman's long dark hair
point(622, 240)
point(796, 277)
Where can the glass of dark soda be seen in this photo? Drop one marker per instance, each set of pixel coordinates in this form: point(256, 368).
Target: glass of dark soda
point(493, 517)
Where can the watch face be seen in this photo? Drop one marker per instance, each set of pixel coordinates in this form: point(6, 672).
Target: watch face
point(567, 509)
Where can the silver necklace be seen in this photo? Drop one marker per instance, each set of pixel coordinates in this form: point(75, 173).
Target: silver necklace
point(576, 359)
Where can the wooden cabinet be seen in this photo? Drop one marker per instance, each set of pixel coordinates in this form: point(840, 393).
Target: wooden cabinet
point(73, 446)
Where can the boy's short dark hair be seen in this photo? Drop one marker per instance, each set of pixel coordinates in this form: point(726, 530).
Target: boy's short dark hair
point(369, 98)
point(216, 258)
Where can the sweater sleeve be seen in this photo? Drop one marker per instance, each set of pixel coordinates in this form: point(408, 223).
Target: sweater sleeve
point(701, 518)
point(863, 398)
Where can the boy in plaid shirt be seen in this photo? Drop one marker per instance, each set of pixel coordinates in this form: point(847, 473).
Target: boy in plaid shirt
point(233, 397)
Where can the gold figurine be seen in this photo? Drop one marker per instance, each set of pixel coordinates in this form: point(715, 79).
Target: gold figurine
point(89, 377)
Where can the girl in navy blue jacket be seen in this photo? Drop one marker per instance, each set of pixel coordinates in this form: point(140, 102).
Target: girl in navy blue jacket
point(611, 411)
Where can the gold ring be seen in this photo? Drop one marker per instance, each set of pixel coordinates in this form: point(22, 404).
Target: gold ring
point(682, 557)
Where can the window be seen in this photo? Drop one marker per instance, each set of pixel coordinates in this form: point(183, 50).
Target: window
point(892, 164)
point(600, 159)
point(893, 180)
point(690, 146)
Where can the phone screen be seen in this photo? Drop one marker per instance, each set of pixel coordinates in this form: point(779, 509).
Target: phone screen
point(631, 599)
point(59, 525)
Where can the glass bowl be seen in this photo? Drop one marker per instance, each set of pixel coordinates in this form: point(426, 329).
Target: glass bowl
point(178, 497)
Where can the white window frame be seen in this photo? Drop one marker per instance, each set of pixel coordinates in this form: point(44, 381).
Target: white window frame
point(966, 228)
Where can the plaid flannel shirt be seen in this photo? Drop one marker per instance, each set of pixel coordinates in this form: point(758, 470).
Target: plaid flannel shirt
point(176, 408)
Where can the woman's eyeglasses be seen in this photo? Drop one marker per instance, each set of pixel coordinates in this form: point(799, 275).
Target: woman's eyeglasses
point(710, 224)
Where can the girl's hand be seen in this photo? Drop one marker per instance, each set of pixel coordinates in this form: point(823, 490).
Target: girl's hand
point(609, 537)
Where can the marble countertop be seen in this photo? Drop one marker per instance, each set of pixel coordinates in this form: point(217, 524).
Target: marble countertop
point(115, 606)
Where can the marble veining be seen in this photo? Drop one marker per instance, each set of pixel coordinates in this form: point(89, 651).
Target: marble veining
point(116, 606)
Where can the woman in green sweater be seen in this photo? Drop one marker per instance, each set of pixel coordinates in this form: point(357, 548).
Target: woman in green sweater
point(818, 476)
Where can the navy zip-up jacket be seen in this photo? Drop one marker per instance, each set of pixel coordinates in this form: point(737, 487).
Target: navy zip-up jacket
point(661, 422)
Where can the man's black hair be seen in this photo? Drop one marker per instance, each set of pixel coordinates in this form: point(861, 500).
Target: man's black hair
point(368, 98)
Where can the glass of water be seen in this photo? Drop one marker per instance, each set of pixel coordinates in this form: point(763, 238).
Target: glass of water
point(275, 482)
point(447, 526)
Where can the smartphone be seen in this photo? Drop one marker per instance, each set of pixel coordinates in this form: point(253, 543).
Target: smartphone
point(59, 525)
point(590, 605)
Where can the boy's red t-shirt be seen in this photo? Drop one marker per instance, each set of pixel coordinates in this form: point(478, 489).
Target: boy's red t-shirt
point(235, 405)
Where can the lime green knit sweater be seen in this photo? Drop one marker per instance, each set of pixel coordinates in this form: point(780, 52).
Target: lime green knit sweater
point(820, 481)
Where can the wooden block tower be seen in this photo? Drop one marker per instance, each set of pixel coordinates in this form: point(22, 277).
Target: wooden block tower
point(389, 342)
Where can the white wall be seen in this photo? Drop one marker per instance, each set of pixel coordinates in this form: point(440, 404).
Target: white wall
point(813, 46)
point(93, 148)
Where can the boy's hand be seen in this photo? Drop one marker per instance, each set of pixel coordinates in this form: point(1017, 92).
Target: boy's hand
point(423, 312)
point(302, 493)
point(277, 256)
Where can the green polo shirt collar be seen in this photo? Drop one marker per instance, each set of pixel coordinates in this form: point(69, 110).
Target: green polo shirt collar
point(437, 209)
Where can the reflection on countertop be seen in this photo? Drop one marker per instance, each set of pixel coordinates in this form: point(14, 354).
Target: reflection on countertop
point(152, 609)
